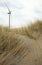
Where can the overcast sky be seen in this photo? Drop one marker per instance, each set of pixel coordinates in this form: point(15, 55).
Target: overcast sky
point(23, 12)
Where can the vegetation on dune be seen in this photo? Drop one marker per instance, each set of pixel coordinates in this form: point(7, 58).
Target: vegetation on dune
point(16, 43)
point(11, 43)
point(8, 36)
point(33, 31)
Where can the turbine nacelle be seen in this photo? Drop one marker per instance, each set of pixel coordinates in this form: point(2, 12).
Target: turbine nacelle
point(9, 12)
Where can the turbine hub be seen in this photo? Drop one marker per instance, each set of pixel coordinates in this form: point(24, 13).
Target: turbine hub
point(9, 12)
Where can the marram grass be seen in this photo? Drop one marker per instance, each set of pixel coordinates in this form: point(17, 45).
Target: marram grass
point(21, 46)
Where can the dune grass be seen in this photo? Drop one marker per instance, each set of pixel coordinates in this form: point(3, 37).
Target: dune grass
point(14, 40)
point(8, 36)
point(33, 31)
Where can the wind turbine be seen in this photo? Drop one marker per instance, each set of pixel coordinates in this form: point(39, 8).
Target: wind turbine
point(9, 12)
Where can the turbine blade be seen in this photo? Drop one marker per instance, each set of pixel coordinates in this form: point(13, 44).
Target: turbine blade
point(7, 6)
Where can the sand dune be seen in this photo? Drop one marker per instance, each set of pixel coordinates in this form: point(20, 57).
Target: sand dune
point(22, 51)
point(21, 46)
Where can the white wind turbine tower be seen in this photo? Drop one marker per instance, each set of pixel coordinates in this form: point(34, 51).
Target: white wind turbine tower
point(9, 16)
point(9, 12)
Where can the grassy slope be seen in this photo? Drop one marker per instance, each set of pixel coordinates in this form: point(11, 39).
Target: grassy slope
point(33, 30)
point(21, 46)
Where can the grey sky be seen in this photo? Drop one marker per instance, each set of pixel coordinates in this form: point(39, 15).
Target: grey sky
point(23, 12)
